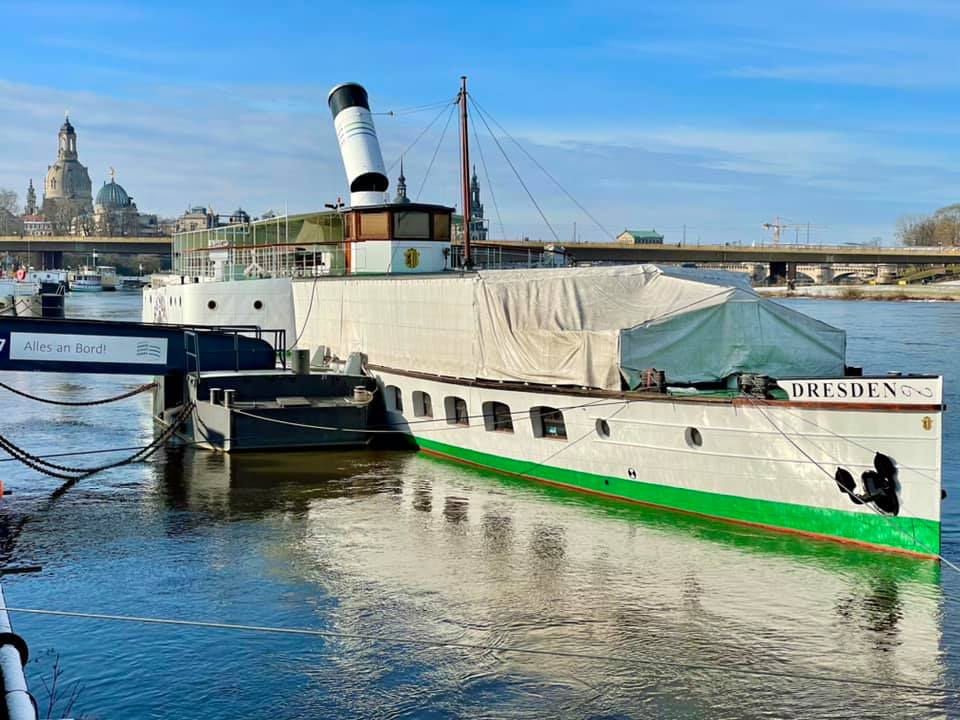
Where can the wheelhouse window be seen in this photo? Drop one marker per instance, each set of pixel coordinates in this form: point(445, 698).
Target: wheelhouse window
point(456, 410)
point(375, 226)
point(548, 422)
point(394, 398)
point(422, 405)
point(497, 417)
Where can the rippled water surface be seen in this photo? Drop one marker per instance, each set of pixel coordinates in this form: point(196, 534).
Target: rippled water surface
point(392, 544)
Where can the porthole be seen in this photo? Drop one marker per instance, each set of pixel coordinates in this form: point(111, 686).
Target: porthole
point(603, 429)
point(258, 304)
point(693, 437)
point(212, 304)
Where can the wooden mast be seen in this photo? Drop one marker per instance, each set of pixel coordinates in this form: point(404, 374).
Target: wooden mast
point(465, 172)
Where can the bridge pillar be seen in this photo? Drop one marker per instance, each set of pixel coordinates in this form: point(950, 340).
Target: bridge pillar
point(778, 272)
point(51, 260)
point(826, 274)
point(886, 273)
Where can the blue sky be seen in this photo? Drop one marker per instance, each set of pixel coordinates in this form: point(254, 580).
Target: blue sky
point(714, 115)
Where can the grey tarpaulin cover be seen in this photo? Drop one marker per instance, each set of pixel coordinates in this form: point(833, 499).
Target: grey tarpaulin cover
point(586, 326)
point(591, 327)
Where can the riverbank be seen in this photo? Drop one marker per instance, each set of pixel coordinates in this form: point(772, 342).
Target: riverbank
point(943, 292)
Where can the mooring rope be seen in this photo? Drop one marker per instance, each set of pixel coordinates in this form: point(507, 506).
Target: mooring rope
point(80, 403)
point(66, 472)
point(849, 492)
point(919, 471)
point(441, 644)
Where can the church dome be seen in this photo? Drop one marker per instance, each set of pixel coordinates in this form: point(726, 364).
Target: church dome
point(112, 196)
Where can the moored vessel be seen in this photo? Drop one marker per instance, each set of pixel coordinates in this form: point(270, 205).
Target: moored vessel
point(108, 277)
point(87, 280)
point(678, 389)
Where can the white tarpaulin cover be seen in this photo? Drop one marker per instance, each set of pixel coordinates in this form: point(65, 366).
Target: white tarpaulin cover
point(572, 326)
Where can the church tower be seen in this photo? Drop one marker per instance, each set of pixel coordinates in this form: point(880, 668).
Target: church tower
point(67, 192)
point(478, 228)
point(68, 141)
point(401, 187)
point(30, 207)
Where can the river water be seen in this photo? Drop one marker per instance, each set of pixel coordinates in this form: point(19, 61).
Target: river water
point(396, 545)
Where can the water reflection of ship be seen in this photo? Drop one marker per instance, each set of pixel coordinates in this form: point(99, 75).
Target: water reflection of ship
point(447, 552)
point(258, 484)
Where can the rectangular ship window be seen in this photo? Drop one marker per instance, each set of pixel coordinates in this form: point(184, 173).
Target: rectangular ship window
point(548, 422)
point(456, 409)
point(497, 417)
point(422, 405)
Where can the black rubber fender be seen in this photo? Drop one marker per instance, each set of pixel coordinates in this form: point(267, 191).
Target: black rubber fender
point(10, 638)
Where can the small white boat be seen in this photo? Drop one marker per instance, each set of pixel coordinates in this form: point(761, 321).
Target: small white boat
point(108, 277)
point(87, 280)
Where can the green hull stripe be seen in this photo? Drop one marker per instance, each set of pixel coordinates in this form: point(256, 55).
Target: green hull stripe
point(907, 534)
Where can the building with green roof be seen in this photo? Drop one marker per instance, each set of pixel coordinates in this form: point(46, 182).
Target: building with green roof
point(640, 237)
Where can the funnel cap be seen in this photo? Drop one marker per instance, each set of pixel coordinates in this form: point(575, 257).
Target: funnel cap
point(347, 95)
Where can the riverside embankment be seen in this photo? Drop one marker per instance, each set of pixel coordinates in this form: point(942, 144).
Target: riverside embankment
point(944, 291)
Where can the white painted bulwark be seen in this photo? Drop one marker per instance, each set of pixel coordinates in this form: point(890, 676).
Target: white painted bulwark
point(744, 450)
point(266, 303)
point(62, 347)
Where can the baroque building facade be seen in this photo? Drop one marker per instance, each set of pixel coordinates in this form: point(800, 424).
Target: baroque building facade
point(68, 206)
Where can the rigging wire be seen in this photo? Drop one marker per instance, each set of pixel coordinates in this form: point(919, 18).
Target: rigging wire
point(381, 429)
point(519, 650)
point(542, 169)
point(417, 139)
point(918, 471)
point(569, 445)
point(513, 167)
point(486, 173)
point(400, 428)
point(849, 492)
point(435, 151)
point(412, 110)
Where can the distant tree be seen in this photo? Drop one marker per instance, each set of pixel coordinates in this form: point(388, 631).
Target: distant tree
point(10, 224)
point(62, 220)
point(940, 228)
point(9, 201)
point(83, 224)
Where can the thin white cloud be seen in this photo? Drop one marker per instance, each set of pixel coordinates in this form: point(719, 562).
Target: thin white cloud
point(888, 75)
point(273, 147)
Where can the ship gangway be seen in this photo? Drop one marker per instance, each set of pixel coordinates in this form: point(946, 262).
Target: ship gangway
point(225, 388)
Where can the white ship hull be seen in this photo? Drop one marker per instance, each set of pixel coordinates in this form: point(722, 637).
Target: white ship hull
point(762, 462)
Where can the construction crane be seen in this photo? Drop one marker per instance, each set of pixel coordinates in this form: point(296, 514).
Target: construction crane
point(778, 227)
